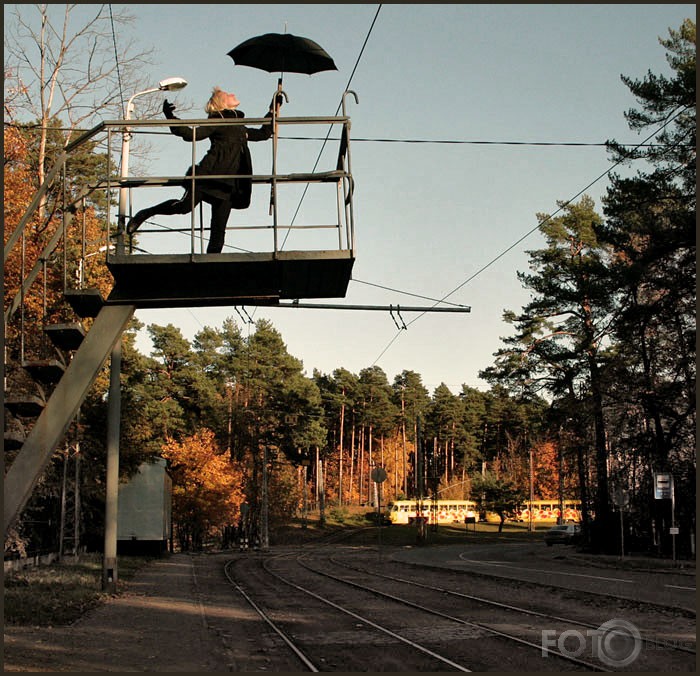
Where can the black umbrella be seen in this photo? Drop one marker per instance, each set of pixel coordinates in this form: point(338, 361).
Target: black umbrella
point(282, 52)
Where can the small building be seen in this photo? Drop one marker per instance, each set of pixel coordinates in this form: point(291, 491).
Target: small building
point(145, 510)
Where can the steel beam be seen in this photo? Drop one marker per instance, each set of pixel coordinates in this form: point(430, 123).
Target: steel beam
point(61, 408)
point(383, 308)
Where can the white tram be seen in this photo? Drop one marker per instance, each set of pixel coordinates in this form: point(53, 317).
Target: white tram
point(434, 511)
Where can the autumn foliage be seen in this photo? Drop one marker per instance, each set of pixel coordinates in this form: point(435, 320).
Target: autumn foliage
point(207, 488)
point(43, 302)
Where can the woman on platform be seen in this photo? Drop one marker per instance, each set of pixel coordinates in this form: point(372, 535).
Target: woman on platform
point(227, 154)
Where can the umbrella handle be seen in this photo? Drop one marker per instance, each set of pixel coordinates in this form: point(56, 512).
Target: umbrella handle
point(275, 131)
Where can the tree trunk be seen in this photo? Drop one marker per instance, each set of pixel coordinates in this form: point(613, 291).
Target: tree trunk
point(340, 454)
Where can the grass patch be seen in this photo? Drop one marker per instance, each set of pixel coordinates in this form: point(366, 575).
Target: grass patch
point(60, 593)
point(363, 531)
point(403, 535)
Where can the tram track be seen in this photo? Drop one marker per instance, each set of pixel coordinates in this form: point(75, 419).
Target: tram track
point(299, 646)
point(287, 568)
point(648, 640)
point(478, 625)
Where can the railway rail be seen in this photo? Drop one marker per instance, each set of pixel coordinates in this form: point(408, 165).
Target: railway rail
point(648, 640)
point(286, 568)
point(303, 569)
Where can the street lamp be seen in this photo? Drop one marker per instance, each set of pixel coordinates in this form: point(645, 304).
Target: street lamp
point(109, 563)
point(169, 84)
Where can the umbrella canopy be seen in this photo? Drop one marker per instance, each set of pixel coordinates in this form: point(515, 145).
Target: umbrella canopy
point(285, 53)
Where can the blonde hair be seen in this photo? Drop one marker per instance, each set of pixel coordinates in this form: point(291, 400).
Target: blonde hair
point(215, 104)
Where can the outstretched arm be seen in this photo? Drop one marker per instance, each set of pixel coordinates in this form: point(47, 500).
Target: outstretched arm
point(260, 133)
point(185, 133)
point(263, 133)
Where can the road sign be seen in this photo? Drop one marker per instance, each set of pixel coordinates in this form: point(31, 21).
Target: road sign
point(673, 531)
point(663, 485)
point(378, 475)
point(621, 497)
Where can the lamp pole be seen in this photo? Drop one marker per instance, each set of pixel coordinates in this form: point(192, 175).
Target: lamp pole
point(109, 561)
point(169, 84)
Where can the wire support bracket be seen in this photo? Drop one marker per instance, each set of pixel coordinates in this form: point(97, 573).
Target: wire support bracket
point(402, 326)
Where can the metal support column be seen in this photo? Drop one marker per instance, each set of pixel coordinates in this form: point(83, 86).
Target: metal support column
point(109, 562)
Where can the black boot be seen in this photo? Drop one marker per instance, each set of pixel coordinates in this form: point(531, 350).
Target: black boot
point(136, 222)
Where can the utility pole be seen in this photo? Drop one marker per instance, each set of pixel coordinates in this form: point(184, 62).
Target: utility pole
point(340, 469)
point(560, 520)
point(320, 491)
point(419, 481)
point(305, 509)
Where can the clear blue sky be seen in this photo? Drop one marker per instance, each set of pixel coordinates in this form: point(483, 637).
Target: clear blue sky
point(428, 216)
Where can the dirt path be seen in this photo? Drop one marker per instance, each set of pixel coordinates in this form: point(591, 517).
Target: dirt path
point(157, 625)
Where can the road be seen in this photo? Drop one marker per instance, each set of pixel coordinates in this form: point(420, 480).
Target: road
point(560, 566)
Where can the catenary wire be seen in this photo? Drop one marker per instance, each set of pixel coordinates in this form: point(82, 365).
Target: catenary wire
point(116, 60)
point(477, 142)
point(422, 141)
point(320, 152)
point(676, 113)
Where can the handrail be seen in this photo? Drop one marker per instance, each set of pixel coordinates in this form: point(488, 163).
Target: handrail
point(34, 204)
point(46, 252)
point(226, 122)
point(331, 175)
point(48, 180)
point(337, 174)
point(86, 136)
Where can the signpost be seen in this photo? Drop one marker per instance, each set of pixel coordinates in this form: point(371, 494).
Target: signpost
point(378, 475)
point(664, 490)
point(621, 497)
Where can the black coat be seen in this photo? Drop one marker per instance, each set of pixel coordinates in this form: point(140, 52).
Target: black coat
point(227, 154)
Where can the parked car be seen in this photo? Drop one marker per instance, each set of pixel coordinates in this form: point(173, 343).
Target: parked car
point(567, 533)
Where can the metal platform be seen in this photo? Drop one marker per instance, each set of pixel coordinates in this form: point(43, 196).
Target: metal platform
point(199, 280)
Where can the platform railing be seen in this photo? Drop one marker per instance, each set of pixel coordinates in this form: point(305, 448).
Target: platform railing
point(103, 133)
point(339, 175)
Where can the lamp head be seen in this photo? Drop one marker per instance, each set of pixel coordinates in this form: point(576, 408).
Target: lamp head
point(172, 83)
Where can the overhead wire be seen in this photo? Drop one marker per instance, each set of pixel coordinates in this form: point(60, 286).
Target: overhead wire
point(116, 58)
point(445, 142)
point(325, 140)
point(676, 113)
point(554, 144)
point(320, 152)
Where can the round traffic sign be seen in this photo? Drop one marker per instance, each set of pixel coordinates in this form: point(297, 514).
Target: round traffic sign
point(378, 475)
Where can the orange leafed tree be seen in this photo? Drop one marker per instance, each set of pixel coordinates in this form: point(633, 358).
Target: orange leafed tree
point(207, 488)
point(43, 301)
